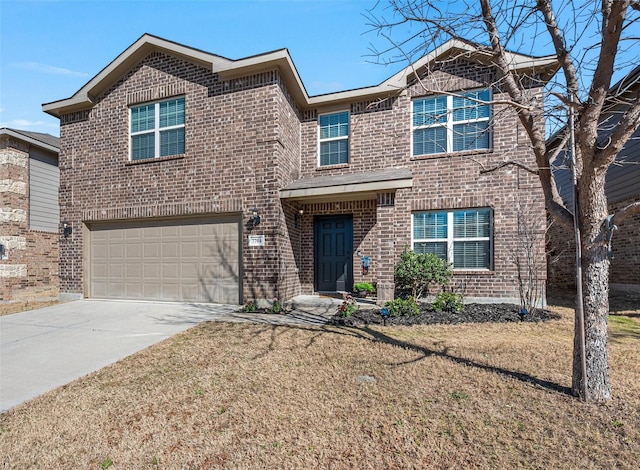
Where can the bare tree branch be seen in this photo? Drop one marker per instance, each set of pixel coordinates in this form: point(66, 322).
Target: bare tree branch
point(626, 212)
point(509, 163)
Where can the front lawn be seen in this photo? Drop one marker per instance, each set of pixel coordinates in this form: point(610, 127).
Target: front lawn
point(225, 395)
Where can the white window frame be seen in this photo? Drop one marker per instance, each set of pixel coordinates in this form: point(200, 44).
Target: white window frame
point(451, 240)
point(449, 124)
point(156, 129)
point(330, 139)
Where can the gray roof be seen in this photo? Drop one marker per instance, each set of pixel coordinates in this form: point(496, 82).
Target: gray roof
point(351, 178)
point(47, 139)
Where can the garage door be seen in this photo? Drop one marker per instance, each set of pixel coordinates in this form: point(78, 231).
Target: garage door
point(184, 260)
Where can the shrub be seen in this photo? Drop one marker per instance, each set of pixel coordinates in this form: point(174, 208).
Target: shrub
point(249, 307)
point(416, 271)
point(276, 307)
point(364, 286)
point(449, 302)
point(402, 307)
point(349, 307)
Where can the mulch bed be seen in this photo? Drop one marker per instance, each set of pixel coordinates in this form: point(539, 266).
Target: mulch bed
point(473, 313)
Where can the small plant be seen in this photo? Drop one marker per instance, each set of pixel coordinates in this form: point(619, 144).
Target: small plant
point(276, 307)
point(250, 307)
point(448, 302)
point(106, 463)
point(364, 287)
point(349, 307)
point(459, 395)
point(402, 307)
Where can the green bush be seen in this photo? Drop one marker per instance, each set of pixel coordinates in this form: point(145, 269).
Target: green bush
point(449, 302)
point(416, 271)
point(349, 307)
point(364, 286)
point(402, 307)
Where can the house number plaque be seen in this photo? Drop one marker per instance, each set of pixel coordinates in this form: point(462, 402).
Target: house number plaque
point(256, 240)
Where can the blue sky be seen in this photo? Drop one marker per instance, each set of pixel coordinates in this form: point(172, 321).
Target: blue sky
point(50, 49)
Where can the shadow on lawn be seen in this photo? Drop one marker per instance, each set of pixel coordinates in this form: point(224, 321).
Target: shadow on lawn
point(377, 336)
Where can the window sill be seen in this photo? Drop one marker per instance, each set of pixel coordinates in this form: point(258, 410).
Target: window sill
point(451, 154)
point(474, 272)
point(153, 160)
point(332, 167)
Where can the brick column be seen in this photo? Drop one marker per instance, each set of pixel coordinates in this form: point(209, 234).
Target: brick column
point(385, 220)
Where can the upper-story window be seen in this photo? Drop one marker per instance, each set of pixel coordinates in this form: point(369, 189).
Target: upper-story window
point(462, 237)
point(444, 124)
point(157, 129)
point(334, 138)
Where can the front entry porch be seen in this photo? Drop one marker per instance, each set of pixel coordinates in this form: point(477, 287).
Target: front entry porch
point(338, 220)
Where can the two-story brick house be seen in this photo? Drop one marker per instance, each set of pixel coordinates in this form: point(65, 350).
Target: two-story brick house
point(188, 176)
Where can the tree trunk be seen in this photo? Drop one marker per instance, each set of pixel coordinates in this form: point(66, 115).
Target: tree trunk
point(595, 279)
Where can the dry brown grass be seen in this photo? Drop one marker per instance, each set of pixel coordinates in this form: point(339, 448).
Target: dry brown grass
point(22, 306)
point(255, 396)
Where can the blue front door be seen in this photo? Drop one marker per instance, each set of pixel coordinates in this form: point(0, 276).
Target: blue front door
point(333, 245)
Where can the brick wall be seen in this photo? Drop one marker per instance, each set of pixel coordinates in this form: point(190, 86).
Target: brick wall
point(30, 270)
point(240, 136)
point(380, 138)
point(624, 271)
point(246, 139)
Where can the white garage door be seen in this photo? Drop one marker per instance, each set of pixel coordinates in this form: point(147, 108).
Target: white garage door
point(194, 260)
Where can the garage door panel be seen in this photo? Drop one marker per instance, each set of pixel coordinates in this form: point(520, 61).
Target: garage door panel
point(133, 271)
point(189, 260)
point(170, 271)
point(130, 290)
point(151, 272)
point(132, 251)
point(151, 250)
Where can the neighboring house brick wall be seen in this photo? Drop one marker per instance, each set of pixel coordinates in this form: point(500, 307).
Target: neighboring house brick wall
point(625, 266)
point(30, 270)
point(624, 270)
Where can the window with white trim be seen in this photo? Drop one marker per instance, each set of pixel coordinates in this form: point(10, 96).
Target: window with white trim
point(445, 124)
point(157, 129)
point(462, 237)
point(334, 138)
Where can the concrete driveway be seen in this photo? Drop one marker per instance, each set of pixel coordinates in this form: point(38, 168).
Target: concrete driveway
point(45, 348)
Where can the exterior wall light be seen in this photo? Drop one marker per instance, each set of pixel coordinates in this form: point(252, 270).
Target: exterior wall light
point(67, 229)
point(297, 219)
point(255, 218)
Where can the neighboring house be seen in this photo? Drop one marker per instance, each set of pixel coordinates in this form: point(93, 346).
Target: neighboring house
point(188, 176)
point(622, 188)
point(29, 215)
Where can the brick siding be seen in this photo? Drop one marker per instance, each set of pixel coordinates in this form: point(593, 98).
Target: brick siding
point(624, 271)
point(246, 139)
point(30, 271)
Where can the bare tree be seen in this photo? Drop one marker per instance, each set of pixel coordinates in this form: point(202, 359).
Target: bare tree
point(591, 40)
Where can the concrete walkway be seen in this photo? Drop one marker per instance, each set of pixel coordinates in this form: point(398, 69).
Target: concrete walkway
point(45, 348)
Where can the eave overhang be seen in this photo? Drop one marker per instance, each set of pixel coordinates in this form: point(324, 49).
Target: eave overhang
point(355, 186)
point(85, 98)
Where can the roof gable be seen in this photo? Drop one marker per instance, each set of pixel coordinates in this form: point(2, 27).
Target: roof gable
point(228, 69)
